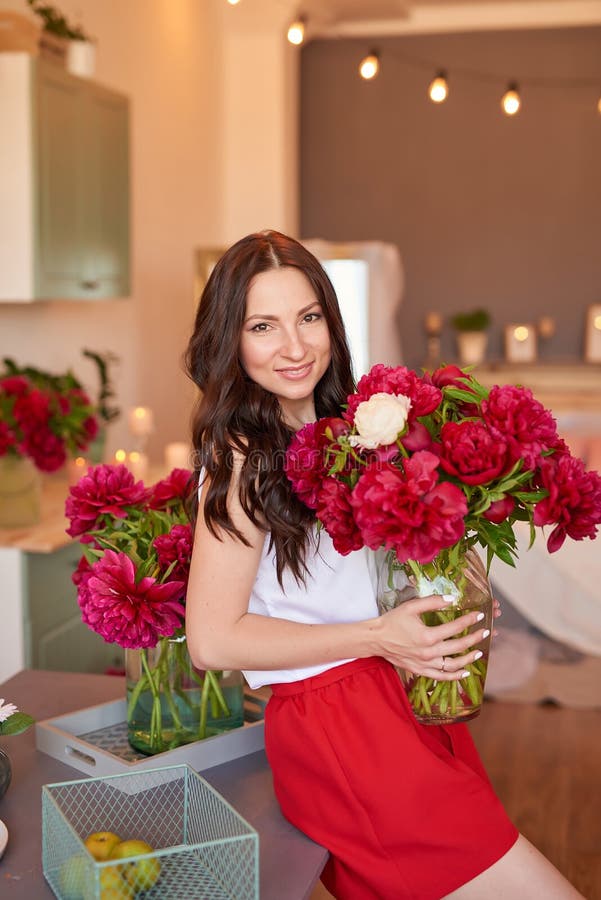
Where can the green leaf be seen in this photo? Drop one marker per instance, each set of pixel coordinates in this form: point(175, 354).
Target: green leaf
point(16, 723)
point(504, 554)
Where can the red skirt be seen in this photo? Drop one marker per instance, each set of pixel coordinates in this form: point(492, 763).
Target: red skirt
point(406, 810)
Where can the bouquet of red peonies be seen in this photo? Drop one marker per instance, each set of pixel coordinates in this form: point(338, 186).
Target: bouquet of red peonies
point(131, 588)
point(423, 469)
point(42, 417)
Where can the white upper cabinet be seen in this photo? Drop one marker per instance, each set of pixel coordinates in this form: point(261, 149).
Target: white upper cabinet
point(64, 184)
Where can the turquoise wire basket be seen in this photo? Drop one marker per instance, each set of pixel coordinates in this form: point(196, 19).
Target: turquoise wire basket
point(202, 848)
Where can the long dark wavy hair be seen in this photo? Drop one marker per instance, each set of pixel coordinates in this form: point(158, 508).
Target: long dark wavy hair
point(236, 414)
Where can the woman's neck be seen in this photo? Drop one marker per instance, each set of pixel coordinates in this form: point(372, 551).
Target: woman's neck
point(296, 417)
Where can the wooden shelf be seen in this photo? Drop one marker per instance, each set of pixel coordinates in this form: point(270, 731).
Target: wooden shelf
point(564, 387)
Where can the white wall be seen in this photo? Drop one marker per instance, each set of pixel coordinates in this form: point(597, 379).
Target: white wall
point(213, 92)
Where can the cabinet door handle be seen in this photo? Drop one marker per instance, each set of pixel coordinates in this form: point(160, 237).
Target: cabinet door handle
point(89, 285)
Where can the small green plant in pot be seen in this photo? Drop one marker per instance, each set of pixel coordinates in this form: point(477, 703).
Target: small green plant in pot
point(54, 22)
point(472, 338)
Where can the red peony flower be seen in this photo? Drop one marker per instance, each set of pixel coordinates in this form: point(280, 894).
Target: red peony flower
point(47, 418)
point(32, 410)
point(335, 511)
point(498, 510)
point(409, 511)
point(306, 463)
point(175, 547)
point(454, 377)
point(178, 486)
point(7, 439)
point(80, 578)
point(45, 449)
point(417, 438)
point(14, 385)
point(425, 397)
point(574, 501)
point(470, 452)
point(128, 613)
point(82, 573)
point(105, 490)
point(513, 415)
point(451, 376)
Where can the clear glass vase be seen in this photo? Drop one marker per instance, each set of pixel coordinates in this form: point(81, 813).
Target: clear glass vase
point(170, 702)
point(462, 575)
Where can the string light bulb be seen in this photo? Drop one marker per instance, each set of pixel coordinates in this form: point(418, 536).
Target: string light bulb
point(233, 2)
point(439, 88)
point(370, 65)
point(510, 101)
point(296, 31)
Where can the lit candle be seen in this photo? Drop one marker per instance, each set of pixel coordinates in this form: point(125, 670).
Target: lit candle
point(137, 463)
point(177, 455)
point(77, 469)
point(433, 323)
point(140, 421)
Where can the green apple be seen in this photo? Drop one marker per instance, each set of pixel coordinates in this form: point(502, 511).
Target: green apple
point(101, 844)
point(141, 875)
point(72, 877)
point(112, 887)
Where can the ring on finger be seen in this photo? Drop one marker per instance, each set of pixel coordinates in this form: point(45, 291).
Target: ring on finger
point(443, 664)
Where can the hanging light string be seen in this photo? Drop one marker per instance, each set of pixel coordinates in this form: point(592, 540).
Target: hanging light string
point(369, 67)
point(489, 77)
point(438, 89)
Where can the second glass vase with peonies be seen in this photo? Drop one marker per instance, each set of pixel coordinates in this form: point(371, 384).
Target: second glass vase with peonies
point(425, 468)
point(170, 702)
point(131, 589)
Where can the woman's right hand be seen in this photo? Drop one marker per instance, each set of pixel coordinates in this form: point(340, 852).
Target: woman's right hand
point(407, 642)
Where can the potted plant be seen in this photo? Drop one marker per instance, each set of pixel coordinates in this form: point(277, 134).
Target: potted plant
point(471, 335)
point(44, 420)
point(106, 410)
point(81, 50)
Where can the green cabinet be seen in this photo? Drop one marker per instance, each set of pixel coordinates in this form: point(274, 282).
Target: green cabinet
point(54, 635)
point(65, 225)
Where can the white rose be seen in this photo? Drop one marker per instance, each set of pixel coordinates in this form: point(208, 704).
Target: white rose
point(380, 419)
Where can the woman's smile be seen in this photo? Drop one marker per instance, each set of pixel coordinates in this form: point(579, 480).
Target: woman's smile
point(297, 373)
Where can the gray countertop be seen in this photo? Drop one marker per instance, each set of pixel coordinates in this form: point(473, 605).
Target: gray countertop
point(290, 863)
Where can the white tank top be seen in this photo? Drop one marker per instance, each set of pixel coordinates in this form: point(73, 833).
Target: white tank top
point(337, 589)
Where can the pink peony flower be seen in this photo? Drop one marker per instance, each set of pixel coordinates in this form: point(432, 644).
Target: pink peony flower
point(176, 546)
point(335, 511)
point(306, 463)
point(105, 490)
point(128, 613)
point(574, 501)
point(513, 415)
point(470, 452)
point(178, 486)
point(409, 511)
point(80, 579)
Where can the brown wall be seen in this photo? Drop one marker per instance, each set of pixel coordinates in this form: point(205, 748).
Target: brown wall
point(486, 210)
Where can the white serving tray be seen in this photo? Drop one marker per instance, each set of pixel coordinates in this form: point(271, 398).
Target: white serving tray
point(94, 741)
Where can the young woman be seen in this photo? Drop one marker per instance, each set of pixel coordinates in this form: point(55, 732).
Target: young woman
point(405, 810)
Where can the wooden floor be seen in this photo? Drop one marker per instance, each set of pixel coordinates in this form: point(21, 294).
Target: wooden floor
point(545, 764)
